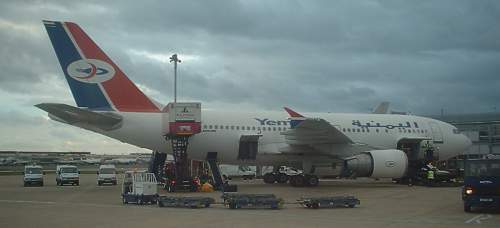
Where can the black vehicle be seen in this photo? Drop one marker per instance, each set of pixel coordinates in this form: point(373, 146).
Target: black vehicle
point(481, 184)
point(439, 175)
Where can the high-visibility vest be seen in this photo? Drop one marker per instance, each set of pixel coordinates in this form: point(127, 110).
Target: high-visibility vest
point(430, 174)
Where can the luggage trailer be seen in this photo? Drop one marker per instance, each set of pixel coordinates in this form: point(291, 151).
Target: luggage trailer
point(329, 202)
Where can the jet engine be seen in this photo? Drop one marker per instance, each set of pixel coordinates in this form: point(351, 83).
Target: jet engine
point(378, 164)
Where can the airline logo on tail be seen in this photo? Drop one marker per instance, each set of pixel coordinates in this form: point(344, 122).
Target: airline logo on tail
point(91, 70)
point(94, 79)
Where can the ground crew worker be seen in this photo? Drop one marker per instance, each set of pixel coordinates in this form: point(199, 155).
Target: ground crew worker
point(430, 177)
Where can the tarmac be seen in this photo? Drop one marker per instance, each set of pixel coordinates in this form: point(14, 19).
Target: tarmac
point(383, 204)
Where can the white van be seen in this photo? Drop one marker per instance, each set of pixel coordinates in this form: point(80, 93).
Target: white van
point(67, 174)
point(243, 171)
point(106, 174)
point(33, 174)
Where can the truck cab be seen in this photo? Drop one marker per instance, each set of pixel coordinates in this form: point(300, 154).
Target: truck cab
point(67, 174)
point(481, 184)
point(106, 174)
point(33, 174)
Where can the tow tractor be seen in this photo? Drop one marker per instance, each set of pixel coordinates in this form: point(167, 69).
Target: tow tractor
point(481, 184)
point(282, 175)
point(139, 187)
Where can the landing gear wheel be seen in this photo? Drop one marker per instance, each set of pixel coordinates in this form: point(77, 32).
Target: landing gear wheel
point(269, 178)
point(282, 178)
point(312, 180)
point(297, 181)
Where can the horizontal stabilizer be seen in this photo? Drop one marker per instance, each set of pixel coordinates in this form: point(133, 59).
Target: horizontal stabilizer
point(81, 117)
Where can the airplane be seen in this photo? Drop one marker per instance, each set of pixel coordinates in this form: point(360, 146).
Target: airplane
point(123, 160)
point(92, 161)
point(359, 145)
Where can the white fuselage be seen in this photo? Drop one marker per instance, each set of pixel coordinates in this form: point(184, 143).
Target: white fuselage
point(221, 132)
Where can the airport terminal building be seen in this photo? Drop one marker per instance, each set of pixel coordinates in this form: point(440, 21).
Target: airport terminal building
point(482, 128)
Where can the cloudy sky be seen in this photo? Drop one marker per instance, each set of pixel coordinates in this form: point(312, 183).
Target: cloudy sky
point(325, 56)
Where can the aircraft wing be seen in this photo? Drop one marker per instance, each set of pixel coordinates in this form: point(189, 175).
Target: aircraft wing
point(81, 117)
point(310, 131)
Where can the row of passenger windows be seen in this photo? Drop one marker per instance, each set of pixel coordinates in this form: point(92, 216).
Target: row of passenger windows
point(419, 131)
point(243, 128)
point(253, 128)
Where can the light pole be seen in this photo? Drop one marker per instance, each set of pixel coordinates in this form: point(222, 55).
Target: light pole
point(174, 59)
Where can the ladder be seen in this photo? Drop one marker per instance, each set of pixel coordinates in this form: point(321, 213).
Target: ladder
point(179, 150)
point(214, 169)
point(156, 164)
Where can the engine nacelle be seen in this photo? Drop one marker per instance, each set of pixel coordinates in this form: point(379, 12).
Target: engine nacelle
point(378, 164)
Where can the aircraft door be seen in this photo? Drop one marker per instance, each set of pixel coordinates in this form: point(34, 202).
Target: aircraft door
point(437, 135)
point(248, 148)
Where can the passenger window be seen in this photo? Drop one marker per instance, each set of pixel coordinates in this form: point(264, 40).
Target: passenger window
point(263, 128)
point(348, 130)
point(253, 128)
point(376, 130)
point(274, 128)
point(248, 128)
point(363, 130)
point(258, 128)
point(227, 127)
point(367, 130)
point(359, 130)
point(210, 127)
point(343, 129)
point(204, 126)
point(232, 127)
point(216, 127)
point(386, 131)
point(237, 127)
point(269, 128)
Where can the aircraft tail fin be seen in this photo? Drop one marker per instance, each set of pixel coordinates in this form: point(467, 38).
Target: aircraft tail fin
point(95, 80)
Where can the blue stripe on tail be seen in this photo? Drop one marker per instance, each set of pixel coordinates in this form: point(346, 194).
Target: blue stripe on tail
point(85, 94)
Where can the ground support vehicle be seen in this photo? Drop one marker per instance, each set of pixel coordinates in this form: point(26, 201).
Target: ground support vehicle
point(329, 202)
point(237, 200)
point(106, 174)
point(33, 174)
point(67, 174)
point(282, 175)
point(139, 188)
point(481, 184)
point(190, 202)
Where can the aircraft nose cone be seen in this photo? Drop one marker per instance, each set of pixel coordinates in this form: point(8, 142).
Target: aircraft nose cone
point(467, 142)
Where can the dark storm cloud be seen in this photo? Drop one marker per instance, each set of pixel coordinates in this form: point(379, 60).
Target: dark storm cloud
point(314, 55)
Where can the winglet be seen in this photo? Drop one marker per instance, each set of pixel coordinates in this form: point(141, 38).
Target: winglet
point(292, 113)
